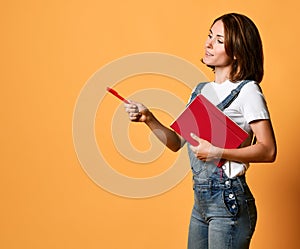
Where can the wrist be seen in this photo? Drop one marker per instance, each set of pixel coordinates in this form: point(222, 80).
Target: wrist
point(216, 152)
point(149, 117)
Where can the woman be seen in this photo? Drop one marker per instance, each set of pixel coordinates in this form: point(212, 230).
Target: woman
point(224, 212)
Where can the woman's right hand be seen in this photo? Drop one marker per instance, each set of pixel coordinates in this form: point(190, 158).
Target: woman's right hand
point(137, 112)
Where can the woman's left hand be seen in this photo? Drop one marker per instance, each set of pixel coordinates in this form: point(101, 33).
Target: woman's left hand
point(205, 151)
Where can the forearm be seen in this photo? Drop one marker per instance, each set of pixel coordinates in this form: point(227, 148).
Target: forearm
point(263, 151)
point(139, 113)
point(253, 153)
point(164, 134)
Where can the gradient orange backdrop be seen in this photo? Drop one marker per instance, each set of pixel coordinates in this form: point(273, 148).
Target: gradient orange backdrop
point(49, 49)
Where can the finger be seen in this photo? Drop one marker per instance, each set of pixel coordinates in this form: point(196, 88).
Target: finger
point(128, 104)
point(131, 108)
point(135, 114)
point(133, 118)
point(200, 157)
point(193, 148)
point(196, 153)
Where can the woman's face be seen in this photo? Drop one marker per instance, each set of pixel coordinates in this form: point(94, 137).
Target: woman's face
point(215, 54)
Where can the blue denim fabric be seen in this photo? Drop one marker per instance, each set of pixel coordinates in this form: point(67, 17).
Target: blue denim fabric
point(224, 213)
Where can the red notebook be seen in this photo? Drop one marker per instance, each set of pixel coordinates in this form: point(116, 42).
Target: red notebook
point(205, 120)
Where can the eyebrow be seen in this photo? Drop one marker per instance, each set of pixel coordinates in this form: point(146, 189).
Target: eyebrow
point(217, 35)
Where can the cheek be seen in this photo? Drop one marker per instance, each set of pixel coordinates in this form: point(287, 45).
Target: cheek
point(223, 56)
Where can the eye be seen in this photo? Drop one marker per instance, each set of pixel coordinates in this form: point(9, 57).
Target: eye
point(220, 41)
point(210, 35)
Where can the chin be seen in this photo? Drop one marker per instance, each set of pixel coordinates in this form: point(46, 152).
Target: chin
point(205, 61)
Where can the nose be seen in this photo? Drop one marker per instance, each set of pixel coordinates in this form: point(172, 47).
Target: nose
point(209, 43)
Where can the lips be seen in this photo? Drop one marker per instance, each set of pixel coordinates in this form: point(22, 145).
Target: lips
point(208, 53)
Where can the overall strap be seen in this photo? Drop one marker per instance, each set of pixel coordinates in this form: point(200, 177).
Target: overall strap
point(232, 96)
point(197, 90)
point(228, 100)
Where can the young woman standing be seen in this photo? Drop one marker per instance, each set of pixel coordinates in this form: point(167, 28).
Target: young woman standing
point(224, 213)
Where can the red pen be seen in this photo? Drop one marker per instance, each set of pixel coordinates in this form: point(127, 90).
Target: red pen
point(112, 91)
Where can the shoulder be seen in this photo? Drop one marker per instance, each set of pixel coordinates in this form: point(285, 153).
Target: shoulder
point(252, 102)
point(200, 86)
point(251, 86)
point(251, 91)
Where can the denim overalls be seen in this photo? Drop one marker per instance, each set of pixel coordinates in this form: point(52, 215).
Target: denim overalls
point(224, 213)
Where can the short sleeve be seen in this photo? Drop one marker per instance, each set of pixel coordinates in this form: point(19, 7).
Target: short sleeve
point(252, 103)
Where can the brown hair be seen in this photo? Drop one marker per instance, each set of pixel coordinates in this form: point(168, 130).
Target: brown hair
point(244, 46)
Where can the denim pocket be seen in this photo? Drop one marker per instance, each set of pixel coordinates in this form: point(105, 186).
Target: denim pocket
point(252, 213)
point(230, 201)
point(196, 164)
point(197, 168)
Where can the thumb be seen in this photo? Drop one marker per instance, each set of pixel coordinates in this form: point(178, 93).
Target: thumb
point(195, 137)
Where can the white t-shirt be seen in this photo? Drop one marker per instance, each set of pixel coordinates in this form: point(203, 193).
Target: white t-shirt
point(250, 105)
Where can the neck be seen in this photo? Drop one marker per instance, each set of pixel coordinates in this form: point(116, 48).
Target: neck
point(222, 74)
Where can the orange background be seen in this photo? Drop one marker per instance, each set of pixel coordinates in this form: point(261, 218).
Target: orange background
point(49, 49)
